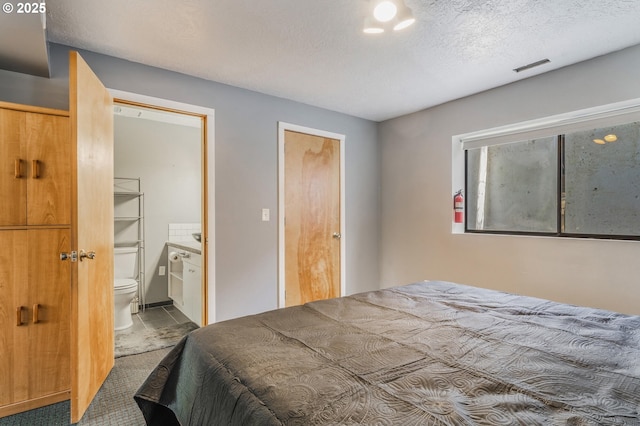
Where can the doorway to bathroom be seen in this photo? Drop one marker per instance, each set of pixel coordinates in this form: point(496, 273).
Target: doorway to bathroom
point(164, 149)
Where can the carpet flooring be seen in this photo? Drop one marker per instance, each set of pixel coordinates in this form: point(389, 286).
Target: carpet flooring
point(136, 355)
point(112, 406)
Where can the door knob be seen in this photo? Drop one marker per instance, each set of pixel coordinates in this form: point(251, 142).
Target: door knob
point(87, 255)
point(337, 235)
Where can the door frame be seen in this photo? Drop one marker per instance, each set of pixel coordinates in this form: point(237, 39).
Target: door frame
point(208, 187)
point(282, 127)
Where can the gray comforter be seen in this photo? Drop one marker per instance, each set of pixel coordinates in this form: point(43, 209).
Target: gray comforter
point(430, 353)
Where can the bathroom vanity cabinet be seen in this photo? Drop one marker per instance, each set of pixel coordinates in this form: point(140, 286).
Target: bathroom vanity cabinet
point(185, 283)
point(192, 285)
point(35, 286)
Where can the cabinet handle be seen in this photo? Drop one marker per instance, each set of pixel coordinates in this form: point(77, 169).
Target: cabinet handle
point(35, 313)
point(19, 316)
point(35, 169)
point(18, 168)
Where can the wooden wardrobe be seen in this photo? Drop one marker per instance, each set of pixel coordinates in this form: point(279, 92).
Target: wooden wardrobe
point(35, 227)
point(56, 248)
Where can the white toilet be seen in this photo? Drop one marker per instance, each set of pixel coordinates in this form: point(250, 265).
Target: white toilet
point(125, 264)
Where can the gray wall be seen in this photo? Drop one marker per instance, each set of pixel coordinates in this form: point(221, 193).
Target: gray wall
point(245, 170)
point(166, 157)
point(416, 209)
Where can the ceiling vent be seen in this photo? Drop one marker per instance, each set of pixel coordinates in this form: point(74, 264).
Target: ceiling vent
point(532, 65)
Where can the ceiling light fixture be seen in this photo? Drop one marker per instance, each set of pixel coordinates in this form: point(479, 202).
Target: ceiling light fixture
point(404, 18)
point(371, 26)
point(394, 12)
point(385, 11)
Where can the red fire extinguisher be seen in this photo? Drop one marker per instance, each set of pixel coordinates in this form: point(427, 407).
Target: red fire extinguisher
point(458, 207)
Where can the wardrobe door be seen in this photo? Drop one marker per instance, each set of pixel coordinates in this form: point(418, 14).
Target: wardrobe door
point(49, 169)
point(13, 168)
point(14, 317)
point(49, 313)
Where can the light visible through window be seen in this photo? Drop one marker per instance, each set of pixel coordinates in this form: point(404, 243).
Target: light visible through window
point(602, 181)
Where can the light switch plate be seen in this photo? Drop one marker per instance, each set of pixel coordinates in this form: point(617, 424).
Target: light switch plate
point(161, 271)
point(265, 215)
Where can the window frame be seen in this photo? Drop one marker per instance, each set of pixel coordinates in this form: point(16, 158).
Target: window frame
point(559, 125)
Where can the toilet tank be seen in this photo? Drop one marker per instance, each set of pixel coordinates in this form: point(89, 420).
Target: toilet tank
point(125, 262)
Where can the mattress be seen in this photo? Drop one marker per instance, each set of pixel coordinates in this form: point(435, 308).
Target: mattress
point(429, 353)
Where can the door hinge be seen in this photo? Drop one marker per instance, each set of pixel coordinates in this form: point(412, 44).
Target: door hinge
point(73, 256)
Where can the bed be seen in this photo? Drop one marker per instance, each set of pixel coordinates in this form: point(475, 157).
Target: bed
point(429, 353)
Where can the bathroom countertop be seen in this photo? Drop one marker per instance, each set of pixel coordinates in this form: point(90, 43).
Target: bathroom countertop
point(193, 247)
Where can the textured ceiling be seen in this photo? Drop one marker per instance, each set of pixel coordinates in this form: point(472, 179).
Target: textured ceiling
point(315, 52)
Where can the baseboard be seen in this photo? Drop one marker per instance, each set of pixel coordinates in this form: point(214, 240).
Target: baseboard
point(19, 407)
point(157, 304)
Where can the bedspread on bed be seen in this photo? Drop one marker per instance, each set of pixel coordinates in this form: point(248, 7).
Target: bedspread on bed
point(431, 353)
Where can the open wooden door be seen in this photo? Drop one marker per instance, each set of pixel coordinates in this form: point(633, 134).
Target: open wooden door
point(92, 334)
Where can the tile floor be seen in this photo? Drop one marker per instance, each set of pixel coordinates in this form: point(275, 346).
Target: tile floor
point(153, 318)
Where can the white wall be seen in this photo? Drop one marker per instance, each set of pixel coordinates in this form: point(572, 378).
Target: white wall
point(416, 238)
point(166, 157)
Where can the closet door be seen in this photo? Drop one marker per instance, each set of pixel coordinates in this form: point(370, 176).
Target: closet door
point(13, 168)
point(34, 319)
point(49, 170)
point(49, 314)
point(14, 362)
point(35, 168)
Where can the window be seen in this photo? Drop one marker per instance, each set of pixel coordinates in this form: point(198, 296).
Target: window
point(602, 181)
point(581, 182)
point(513, 187)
